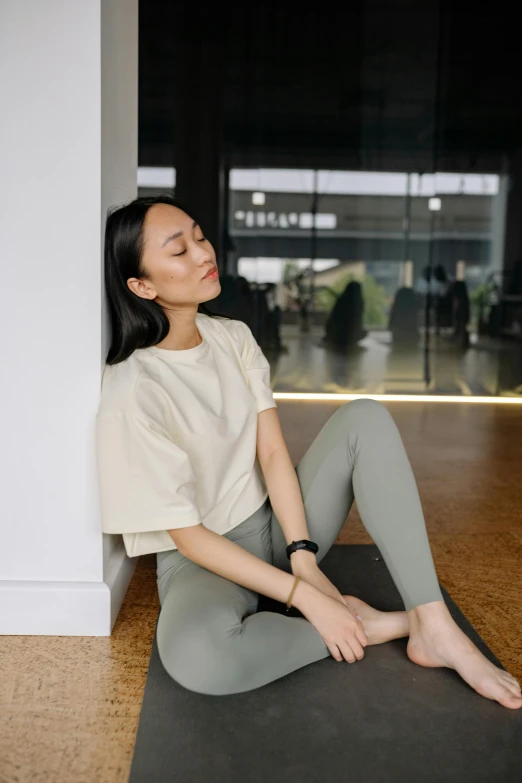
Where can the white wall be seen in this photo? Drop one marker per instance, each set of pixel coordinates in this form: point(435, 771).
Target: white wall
point(68, 149)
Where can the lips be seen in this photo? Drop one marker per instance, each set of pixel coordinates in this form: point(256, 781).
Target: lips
point(211, 272)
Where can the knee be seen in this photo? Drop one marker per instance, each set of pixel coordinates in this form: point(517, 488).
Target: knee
point(198, 664)
point(365, 411)
point(366, 419)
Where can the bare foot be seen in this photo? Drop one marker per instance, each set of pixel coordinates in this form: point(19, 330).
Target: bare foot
point(436, 640)
point(380, 626)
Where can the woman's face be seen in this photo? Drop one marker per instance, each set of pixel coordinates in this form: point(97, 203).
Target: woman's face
point(176, 256)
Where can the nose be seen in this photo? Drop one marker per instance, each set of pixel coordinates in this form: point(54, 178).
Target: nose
point(202, 254)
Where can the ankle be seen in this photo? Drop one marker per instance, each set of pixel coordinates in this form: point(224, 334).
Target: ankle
point(429, 612)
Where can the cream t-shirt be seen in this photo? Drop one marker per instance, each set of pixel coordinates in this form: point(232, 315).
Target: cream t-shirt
point(176, 436)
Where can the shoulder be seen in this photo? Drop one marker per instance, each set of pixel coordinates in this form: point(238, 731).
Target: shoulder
point(131, 387)
point(237, 331)
point(118, 383)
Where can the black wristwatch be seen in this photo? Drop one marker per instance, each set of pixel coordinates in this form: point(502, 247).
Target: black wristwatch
point(303, 544)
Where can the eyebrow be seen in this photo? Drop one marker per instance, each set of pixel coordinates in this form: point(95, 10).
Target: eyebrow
point(178, 234)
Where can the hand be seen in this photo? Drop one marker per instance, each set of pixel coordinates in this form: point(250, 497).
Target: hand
point(336, 622)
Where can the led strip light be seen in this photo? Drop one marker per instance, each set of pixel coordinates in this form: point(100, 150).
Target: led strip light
point(318, 396)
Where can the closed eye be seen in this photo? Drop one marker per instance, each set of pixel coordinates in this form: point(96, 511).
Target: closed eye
point(203, 239)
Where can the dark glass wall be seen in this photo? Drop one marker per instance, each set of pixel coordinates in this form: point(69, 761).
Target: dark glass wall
point(360, 174)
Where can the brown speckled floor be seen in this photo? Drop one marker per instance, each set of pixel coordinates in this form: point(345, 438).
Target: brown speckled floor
point(69, 706)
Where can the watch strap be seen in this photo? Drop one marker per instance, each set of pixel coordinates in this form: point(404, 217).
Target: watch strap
point(304, 543)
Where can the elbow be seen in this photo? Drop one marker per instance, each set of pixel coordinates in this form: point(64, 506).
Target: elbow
point(184, 537)
point(265, 456)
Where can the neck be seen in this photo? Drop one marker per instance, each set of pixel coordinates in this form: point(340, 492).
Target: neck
point(183, 332)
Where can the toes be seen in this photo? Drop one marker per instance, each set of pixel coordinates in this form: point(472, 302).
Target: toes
point(511, 696)
point(512, 680)
point(515, 688)
point(512, 701)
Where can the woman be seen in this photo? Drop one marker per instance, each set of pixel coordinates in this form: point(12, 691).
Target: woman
point(193, 466)
point(344, 327)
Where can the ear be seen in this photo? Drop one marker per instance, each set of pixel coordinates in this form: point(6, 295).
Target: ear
point(141, 288)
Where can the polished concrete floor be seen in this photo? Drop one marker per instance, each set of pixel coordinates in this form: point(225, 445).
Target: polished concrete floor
point(69, 706)
point(375, 366)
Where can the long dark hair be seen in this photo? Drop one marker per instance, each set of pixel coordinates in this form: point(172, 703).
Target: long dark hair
point(135, 322)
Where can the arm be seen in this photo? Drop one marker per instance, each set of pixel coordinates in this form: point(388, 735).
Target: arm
point(283, 486)
point(229, 560)
point(286, 499)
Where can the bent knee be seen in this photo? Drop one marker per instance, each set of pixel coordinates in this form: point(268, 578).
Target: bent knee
point(365, 409)
point(198, 665)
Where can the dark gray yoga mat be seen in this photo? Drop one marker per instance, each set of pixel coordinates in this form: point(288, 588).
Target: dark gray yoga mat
point(379, 720)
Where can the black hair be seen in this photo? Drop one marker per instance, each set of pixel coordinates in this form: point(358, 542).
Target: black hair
point(135, 322)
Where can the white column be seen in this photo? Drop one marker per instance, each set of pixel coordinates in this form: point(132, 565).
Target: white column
point(68, 150)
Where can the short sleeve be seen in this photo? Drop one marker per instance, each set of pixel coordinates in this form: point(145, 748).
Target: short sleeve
point(146, 481)
point(256, 367)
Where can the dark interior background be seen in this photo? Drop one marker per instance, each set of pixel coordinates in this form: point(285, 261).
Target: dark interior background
point(402, 86)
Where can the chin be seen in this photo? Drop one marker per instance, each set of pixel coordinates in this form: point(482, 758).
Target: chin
point(213, 296)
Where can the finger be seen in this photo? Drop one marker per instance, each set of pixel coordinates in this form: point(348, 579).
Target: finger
point(357, 648)
point(334, 650)
point(361, 636)
point(347, 652)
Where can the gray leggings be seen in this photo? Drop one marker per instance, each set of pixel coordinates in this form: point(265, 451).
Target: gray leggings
point(211, 638)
